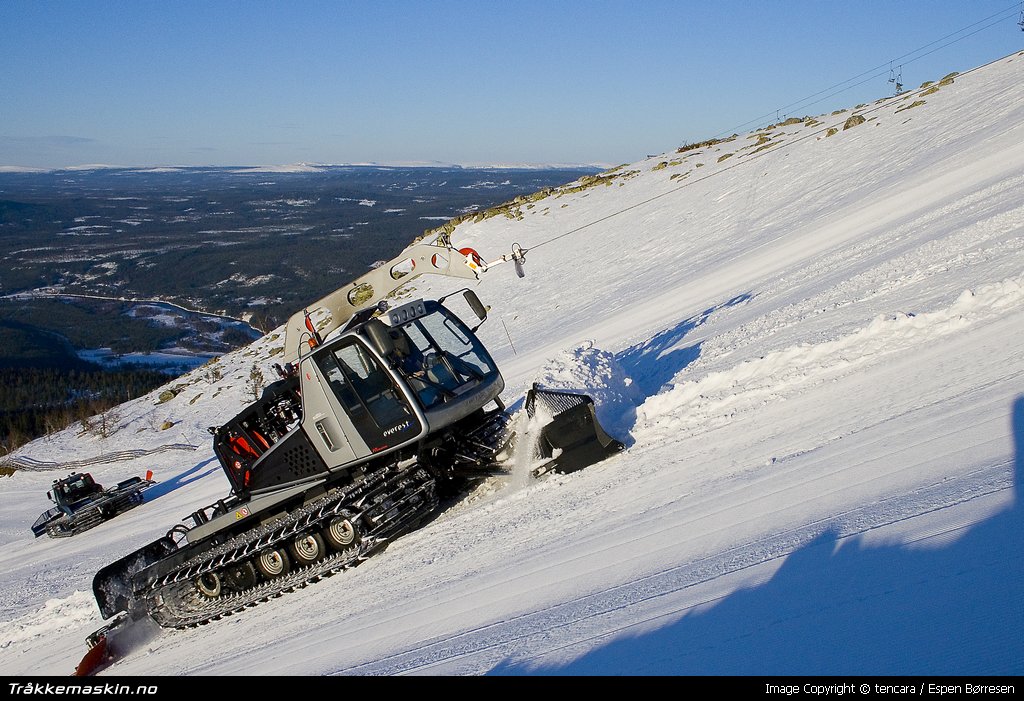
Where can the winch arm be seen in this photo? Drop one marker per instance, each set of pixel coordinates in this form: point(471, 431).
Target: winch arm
point(437, 257)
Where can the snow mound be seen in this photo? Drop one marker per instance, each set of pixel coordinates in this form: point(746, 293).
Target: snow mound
point(54, 616)
point(593, 371)
point(719, 398)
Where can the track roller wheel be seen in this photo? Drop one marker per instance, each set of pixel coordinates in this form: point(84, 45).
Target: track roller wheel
point(340, 533)
point(241, 577)
point(209, 585)
point(273, 562)
point(307, 548)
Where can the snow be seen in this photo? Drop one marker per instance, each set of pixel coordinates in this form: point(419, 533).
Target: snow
point(289, 168)
point(172, 361)
point(813, 354)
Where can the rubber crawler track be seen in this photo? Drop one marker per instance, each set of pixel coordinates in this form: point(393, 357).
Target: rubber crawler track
point(385, 505)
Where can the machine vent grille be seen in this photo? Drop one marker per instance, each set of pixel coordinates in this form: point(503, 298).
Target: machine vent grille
point(302, 460)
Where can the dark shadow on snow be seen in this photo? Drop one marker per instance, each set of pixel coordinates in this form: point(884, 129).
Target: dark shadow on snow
point(653, 363)
point(849, 608)
point(166, 487)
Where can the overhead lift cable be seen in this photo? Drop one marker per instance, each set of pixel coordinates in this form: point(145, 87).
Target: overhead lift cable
point(519, 252)
point(879, 71)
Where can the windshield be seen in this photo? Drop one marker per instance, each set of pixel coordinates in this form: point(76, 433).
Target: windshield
point(440, 357)
point(78, 488)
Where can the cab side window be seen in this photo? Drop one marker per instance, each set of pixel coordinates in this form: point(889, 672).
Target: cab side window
point(364, 388)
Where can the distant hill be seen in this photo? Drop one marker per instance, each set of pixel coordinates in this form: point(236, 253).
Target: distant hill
point(252, 243)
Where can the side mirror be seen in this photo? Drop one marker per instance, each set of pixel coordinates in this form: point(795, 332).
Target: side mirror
point(475, 304)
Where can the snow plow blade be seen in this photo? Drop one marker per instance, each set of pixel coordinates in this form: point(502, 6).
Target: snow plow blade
point(573, 438)
point(112, 585)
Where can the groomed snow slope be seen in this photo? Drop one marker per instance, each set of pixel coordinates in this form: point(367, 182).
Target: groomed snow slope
point(812, 349)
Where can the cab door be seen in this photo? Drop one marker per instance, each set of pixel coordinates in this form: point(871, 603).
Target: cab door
point(369, 395)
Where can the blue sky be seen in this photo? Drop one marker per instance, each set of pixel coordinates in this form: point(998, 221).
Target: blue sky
point(220, 82)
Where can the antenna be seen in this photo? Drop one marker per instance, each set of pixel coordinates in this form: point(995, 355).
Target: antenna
point(1021, 21)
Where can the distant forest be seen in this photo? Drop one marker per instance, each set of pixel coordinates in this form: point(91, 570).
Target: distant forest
point(38, 401)
point(45, 387)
